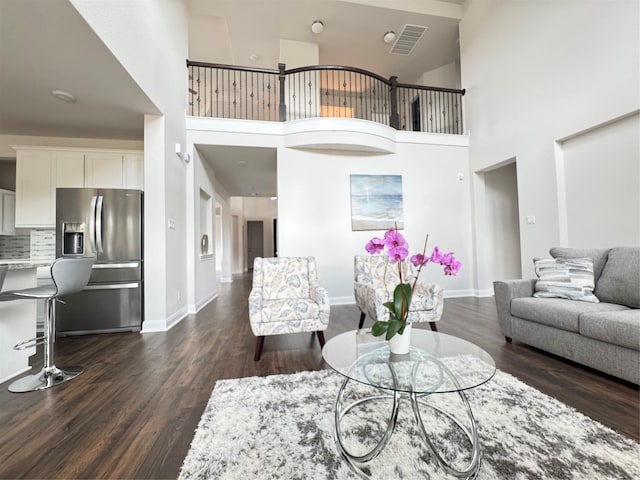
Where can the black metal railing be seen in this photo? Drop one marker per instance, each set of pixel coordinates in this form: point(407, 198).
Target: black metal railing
point(227, 91)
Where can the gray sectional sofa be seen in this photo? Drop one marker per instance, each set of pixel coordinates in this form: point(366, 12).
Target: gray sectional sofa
point(604, 335)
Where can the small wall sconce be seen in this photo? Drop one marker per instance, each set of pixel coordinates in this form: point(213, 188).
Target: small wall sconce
point(317, 27)
point(184, 156)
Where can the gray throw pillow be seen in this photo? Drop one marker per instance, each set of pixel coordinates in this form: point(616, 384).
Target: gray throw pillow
point(620, 279)
point(570, 278)
point(597, 255)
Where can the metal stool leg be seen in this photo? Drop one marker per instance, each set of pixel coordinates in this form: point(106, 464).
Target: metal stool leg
point(50, 375)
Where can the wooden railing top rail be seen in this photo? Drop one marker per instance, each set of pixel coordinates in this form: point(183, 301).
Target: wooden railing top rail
point(323, 67)
point(231, 91)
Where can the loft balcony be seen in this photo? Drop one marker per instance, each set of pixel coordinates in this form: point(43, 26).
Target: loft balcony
point(227, 91)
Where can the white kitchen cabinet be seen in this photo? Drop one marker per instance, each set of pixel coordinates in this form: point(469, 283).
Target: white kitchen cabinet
point(7, 212)
point(134, 171)
point(69, 169)
point(34, 189)
point(104, 170)
point(40, 170)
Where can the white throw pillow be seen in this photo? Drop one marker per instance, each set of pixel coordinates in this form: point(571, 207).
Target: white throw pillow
point(570, 278)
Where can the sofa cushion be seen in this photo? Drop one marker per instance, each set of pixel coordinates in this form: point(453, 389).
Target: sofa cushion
point(565, 278)
point(620, 279)
point(558, 312)
point(620, 328)
point(597, 255)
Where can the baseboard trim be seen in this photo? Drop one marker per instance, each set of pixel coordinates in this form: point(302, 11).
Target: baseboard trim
point(203, 302)
point(150, 326)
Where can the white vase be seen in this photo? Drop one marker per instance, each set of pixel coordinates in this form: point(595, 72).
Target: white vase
point(399, 344)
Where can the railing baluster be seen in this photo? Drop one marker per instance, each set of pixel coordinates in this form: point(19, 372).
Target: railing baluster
point(248, 93)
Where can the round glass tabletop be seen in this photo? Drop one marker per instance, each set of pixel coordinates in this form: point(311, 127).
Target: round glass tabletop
point(436, 362)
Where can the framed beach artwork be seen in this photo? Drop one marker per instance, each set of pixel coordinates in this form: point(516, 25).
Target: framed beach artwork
point(376, 202)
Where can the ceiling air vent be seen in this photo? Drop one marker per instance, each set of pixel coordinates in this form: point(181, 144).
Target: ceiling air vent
point(408, 39)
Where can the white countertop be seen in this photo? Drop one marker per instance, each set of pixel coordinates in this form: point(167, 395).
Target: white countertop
point(20, 263)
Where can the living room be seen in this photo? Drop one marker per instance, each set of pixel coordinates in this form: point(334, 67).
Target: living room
point(547, 86)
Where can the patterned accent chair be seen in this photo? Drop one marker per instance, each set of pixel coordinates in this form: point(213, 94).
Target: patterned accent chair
point(375, 278)
point(286, 298)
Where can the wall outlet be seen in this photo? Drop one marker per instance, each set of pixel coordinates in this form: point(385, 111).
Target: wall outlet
point(531, 219)
point(171, 224)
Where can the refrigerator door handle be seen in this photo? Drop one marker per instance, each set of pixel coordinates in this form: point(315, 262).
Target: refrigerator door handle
point(99, 248)
point(98, 266)
point(92, 221)
point(113, 286)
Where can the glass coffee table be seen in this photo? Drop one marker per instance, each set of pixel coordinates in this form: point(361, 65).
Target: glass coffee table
point(436, 363)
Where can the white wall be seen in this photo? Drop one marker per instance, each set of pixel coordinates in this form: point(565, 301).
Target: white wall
point(314, 213)
point(602, 185)
point(535, 73)
point(149, 39)
point(205, 286)
point(447, 76)
point(314, 209)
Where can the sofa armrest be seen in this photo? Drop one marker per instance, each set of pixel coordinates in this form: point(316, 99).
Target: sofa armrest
point(505, 291)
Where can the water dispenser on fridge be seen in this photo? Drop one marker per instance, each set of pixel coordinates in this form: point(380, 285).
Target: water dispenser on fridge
point(73, 238)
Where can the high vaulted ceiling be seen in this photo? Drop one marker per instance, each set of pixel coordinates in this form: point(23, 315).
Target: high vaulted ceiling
point(248, 32)
point(46, 45)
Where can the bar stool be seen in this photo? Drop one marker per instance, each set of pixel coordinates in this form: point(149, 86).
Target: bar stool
point(3, 273)
point(69, 275)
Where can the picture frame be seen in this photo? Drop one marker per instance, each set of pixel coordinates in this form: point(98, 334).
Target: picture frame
point(376, 202)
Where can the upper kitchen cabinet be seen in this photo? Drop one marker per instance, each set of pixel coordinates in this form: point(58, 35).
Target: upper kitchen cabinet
point(40, 170)
point(34, 189)
point(114, 170)
point(104, 170)
point(69, 169)
point(7, 212)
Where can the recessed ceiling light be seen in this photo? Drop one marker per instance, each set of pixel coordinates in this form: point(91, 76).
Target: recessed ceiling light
point(317, 27)
point(64, 96)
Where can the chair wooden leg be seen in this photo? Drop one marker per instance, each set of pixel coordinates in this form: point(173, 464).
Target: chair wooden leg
point(433, 326)
point(259, 344)
point(362, 315)
point(320, 338)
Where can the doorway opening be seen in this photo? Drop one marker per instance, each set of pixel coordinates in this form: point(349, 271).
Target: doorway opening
point(502, 215)
point(255, 241)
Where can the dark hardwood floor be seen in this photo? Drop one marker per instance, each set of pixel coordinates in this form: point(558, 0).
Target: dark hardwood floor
point(132, 414)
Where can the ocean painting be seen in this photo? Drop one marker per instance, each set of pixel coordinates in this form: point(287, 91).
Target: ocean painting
point(376, 202)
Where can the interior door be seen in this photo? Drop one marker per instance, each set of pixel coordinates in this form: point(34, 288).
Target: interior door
point(255, 241)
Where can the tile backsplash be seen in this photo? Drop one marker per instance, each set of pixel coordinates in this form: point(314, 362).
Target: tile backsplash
point(43, 244)
point(16, 246)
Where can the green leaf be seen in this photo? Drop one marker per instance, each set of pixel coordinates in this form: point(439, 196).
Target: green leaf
point(379, 328)
point(401, 300)
point(394, 327)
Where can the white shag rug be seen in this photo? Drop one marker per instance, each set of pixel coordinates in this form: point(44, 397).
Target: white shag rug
point(282, 427)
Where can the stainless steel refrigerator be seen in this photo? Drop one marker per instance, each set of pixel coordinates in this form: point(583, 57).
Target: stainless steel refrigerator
point(106, 224)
